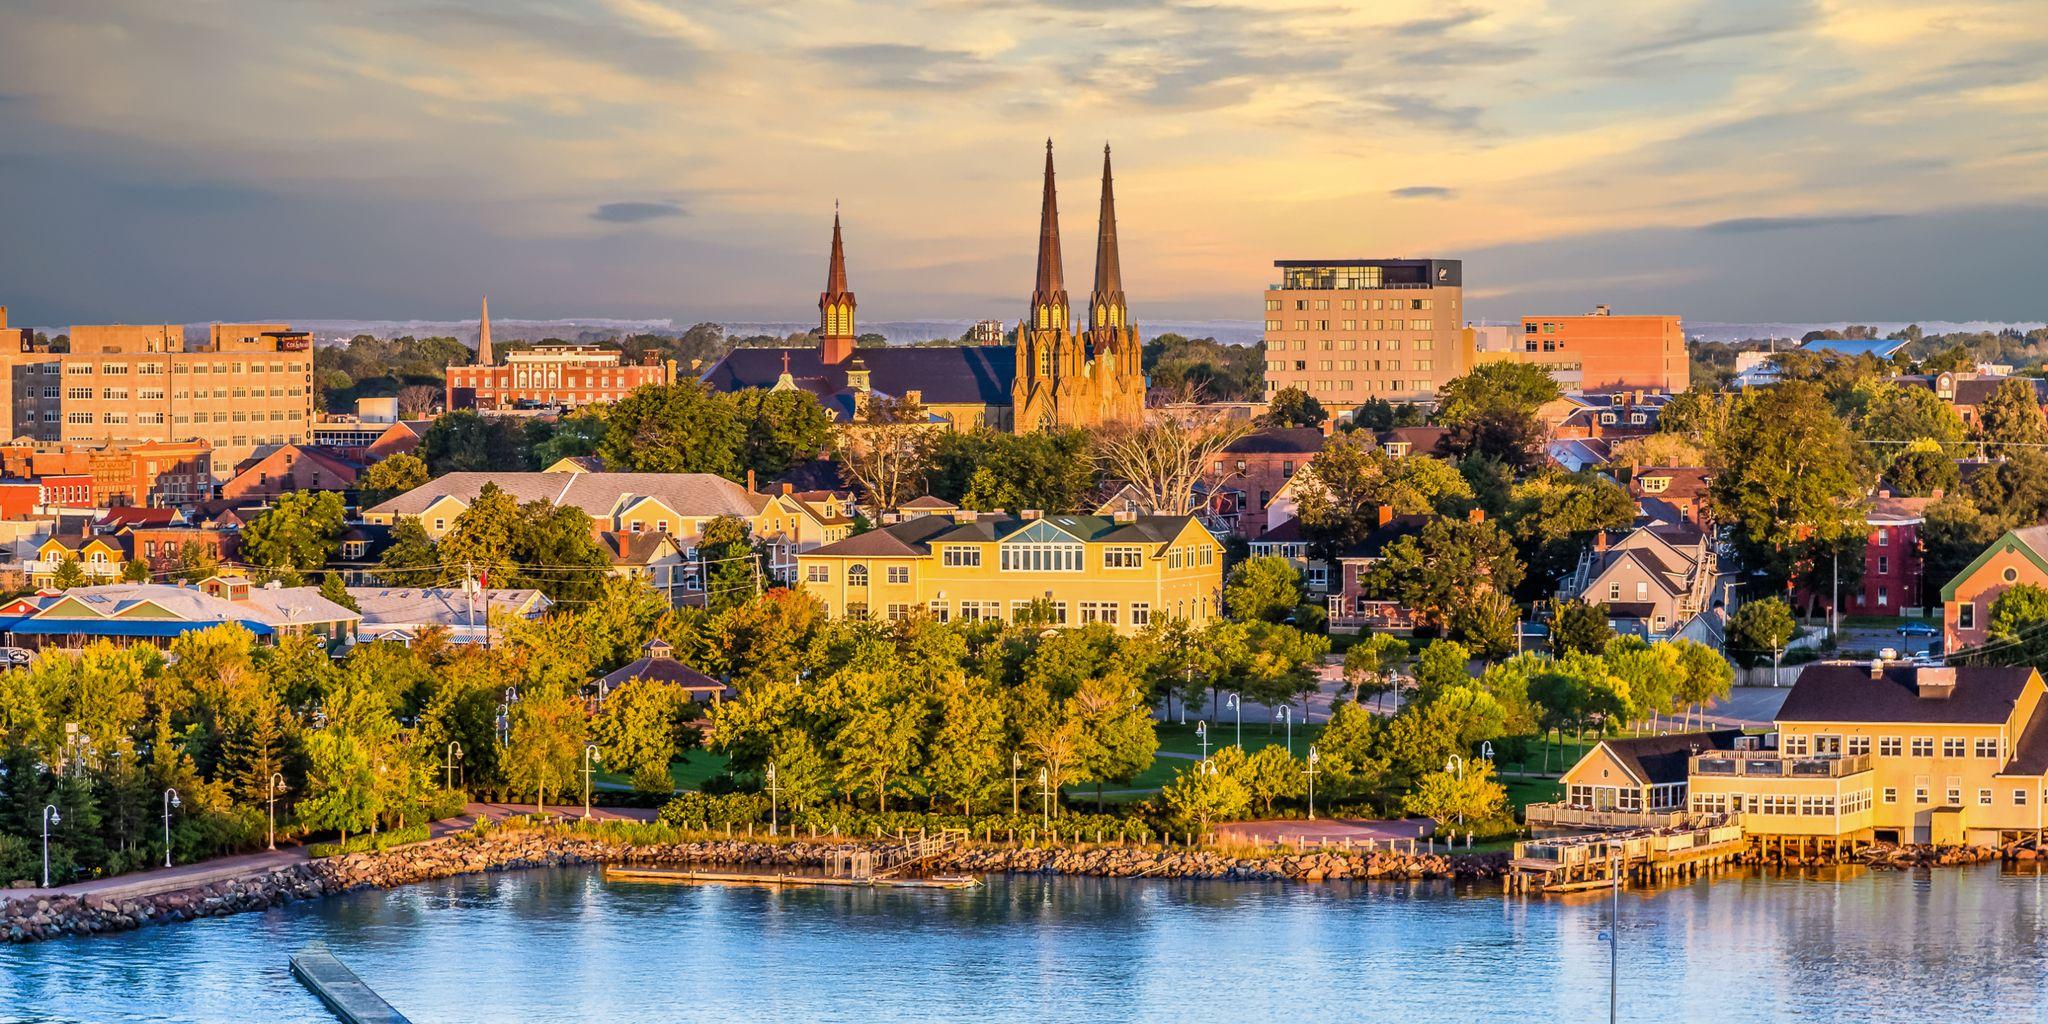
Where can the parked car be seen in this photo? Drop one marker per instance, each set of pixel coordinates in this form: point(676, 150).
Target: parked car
point(1919, 629)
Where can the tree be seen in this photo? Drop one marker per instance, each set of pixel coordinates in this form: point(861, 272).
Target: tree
point(1198, 797)
point(887, 452)
point(2017, 633)
point(135, 570)
point(640, 731)
point(196, 562)
point(783, 428)
point(465, 441)
point(547, 741)
point(965, 764)
point(390, 477)
point(1272, 773)
point(1343, 489)
point(1495, 387)
point(576, 435)
point(986, 470)
point(1166, 458)
point(1554, 516)
point(333, 589)
point(412, 559)
point(340, 784)
point(2012, 415)
point(1704, 674)
point(1474, 795)
point(1786, 479)
point(1267, 589)
point(1579, 627)
point(1759, 631)
point(1443, 664)
point(480, 541)
point(1118, 739)
point(1445, 572)
point(68, 574)
point(675, 428)
point(731, 566)
point(301, 533)
point(1369, 664)
point(1293, 407)
point(876, 745)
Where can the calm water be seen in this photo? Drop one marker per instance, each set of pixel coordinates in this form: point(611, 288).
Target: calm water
point(566, 946)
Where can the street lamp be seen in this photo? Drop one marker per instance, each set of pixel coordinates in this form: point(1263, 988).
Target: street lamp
point(1287, 719)
point(1238, 711)
point(170, 801)
point(454, 754)
point(1016, 762)
point(1202, 734)
point(774, 820)
point(1044, 797)
point(1457, 764)
point(276, 783)
point(50, 817)
point(1313, 757)
point(589, 755)
point(504, 725)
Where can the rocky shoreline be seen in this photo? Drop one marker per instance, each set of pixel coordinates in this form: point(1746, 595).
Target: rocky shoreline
point(49, 917)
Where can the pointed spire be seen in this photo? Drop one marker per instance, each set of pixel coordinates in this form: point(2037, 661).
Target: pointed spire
point(1106, 302)
point(483, 335)
point(835, 304)
point(1049, 297)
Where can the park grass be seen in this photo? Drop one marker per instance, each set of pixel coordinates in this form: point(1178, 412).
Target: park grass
point(1180, 739)
point(696, 768)
point(1522, 792)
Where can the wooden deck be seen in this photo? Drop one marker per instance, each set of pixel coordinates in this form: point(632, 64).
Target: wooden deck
point(1577, 863)
point(343, 992)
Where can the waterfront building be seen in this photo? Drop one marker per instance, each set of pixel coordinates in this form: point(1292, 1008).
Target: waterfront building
point(1637, 782)
point(1066, 570)
point(250, 385)
point(2019, 557)
point(1350, 330)
point(160, 612)
point(1058, 374)
point(1891, 752)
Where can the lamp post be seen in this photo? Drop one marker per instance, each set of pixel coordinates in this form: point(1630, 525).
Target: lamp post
point(1314, 756)
point(170, 801)
point(1456, 763)
point(454, 752)
point(276, 783)
point(1016, 762)
point(1287, 719)
point(589, 756)
point(50, 817)
point(1044, 798)
point(774, 819)
point(1238, 712)
point(1202, 734)
point(504, 725)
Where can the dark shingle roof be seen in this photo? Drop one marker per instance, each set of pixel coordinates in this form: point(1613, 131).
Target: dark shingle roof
point(916, 536)
point(1839, 692)
point(948, 375)
point(1661, 759)
point(1283, 441)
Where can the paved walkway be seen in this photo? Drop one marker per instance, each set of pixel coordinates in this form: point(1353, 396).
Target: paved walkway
point(186, 876)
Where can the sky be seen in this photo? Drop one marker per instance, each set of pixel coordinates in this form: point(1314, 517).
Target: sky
point(1726, 160)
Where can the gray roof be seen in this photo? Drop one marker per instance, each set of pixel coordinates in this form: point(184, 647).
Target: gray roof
point(600, 494)
point(943, 374)
point(273, 606)
point(1666, 758)
point(439, 606)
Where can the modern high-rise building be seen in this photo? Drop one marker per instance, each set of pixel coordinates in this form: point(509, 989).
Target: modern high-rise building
point(1350, 330)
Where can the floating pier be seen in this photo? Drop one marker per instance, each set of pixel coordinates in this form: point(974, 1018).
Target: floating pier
point(679, 876)
point(1576, 863)
point(343, 992)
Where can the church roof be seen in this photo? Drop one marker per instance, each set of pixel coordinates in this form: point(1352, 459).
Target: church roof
point(950, 375)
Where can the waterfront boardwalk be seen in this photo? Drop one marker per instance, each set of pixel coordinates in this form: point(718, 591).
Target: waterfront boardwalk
point(344, 993)
point(1574, 863)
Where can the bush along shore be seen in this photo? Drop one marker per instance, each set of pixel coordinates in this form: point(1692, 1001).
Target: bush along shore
point(27, 919)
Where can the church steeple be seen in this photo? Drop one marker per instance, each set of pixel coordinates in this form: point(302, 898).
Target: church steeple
point(835, 304)
point(483, 335)
point(1049, 297)
point(1106, 302)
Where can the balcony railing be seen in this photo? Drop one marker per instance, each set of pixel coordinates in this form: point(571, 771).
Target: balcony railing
point(1771, 765)
point(1557, 815)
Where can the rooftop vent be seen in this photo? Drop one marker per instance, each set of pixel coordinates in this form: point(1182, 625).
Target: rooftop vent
point(1935, 682)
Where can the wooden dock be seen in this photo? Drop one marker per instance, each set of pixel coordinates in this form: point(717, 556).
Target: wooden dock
point(1578, 863)
point(679, 876)
point(343, 992)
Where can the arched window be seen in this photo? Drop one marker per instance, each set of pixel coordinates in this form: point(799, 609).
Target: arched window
point(857, 576)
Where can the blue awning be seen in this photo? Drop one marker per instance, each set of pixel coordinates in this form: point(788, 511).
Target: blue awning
point(121, 627)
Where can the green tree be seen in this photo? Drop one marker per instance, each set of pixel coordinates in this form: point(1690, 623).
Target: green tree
point(731, 566)
point(340, 782)
point(1267, 589)
point(1705, 675)
point(1786, 479)
point(1555, 515)
point(1370, 662)
point(577, 435)
point(1272, 773)
point(640, 732)
point(1473, 796)
point(299, 534)
point(1447, 571)
point(1117, 736)
point(68, 574)
point(1511, 386)
point(1579, 627)
point(465, 441)
point(876, 745)
point(412, 559)
point(2012, 415)
point(1293, 407)
point(965, 764)
point(196, 562)
point(675, 428)
point(1759, 631)
point(135, 570)
point(333, 589)
point(390, 477)
point(2017, 633)
point(1342, 491)
point(481, 539)
point(982, 469)
point(1198, 797)
point(547, 741)
point(783, 428)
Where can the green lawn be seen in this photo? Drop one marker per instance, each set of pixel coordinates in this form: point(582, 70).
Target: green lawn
point(1523, 792)
point(696, 767)
point(1181, 738)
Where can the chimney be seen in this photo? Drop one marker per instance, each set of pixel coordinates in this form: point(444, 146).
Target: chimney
point(750, 481)
point(1935, 495)
point(1033, 513)
point(964, 516)
point(1386, 514)
point(1477, 515)
point(788, 488)
point(1600, 541)
point(1934, 682)
point(1125, 515)
point(1877, 668)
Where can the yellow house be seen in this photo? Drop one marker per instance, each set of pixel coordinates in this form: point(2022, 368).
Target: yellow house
point(1894, 753)
point(100, 556)
point(1639, 782)
point(1123, 570)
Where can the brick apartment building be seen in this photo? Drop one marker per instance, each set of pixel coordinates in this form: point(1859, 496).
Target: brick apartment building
point(567, 375)
point(1601, 351)
point(158, 473)
point(1246, 475)
point(1349, 330)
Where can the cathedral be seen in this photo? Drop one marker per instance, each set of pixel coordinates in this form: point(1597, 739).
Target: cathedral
point(1057, 375)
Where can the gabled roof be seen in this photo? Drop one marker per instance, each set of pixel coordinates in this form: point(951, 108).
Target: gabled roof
point(1420, 440)
point(124, 516)
point(265, 606)
point(929, 502)
point(2031, 542)
point(1279, 441)
point(948, 375)
point(1685, 481)
point(635, 548)
point(688, 494)
point(1666, 758)
point(1839, 692)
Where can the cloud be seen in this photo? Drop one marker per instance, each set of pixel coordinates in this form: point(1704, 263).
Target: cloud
point(635, 212)
point(1753, 225)
point(1440, 24)
point(1424, 192)
point(906, 65)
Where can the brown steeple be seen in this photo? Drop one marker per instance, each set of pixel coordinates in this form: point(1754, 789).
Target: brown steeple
point(835, 304)
point(1049, 297)
point(483, 335)
point(1106, 302)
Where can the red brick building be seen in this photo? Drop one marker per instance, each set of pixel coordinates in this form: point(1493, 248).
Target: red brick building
point(1673, 493)
point(567, 375)
point(293, 467)
point(164, 473)
point(1252, 470)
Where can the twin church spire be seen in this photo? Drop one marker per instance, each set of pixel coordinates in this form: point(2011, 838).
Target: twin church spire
point(1049, 307)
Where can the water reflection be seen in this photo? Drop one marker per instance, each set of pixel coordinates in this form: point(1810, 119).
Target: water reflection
point(1841, 944)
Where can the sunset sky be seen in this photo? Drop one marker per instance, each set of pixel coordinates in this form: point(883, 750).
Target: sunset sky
point(191, 160)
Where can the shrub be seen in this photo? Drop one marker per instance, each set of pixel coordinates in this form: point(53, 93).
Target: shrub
point(379, 842)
